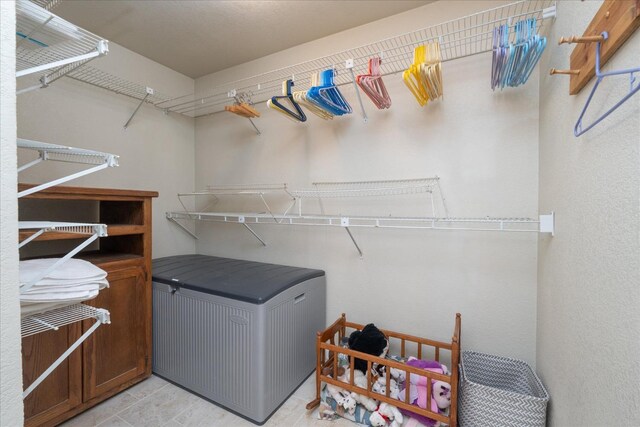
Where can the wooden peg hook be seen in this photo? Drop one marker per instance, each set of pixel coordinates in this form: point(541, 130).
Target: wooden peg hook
point(583, 39)
point(554, 71)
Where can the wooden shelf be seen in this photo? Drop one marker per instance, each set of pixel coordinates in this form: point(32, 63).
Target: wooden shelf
point(87, 193)
point(112, 230)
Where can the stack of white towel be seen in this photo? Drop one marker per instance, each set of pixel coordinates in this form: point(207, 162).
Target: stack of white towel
point(73, 281)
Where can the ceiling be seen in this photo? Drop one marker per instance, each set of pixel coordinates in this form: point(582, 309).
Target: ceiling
point(197, 38)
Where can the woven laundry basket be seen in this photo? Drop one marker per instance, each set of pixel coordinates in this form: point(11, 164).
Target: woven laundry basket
point(498, 391)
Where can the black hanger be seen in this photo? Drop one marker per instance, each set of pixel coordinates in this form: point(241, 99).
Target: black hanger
point(286, 88)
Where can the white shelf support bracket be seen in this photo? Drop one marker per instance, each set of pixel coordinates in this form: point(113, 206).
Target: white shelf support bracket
point(549, 12)
point(547, 223)
point(344, 222)
point(241, 220)
point(184, 228)
point(348, 64)
point(149, 92)
point(101, 318)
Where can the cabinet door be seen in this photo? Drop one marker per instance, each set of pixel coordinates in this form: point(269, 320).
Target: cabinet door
point(118, 352)
point(60, 391)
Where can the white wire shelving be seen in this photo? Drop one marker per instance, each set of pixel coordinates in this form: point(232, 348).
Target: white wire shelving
point(459, 38)
point(61, 153)
point(51, 46)
point(91, 231)
point(376, 189)
point(53, 320)
point(251, 190)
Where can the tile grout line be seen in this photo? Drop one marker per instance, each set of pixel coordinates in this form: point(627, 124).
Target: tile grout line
point(124, 421)
point(138, 400)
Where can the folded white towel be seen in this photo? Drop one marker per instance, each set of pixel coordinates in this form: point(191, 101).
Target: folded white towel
point(72, 269)
point(64, 287)
point(59, 297)
point(29, 309)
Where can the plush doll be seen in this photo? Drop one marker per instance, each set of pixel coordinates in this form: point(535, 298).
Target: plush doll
point(380, 386)
point(346, 399)
point(417, 388)
point(369, 340)
point(342, 397)
point(384, 414)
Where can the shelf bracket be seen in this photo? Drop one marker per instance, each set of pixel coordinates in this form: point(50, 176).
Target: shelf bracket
point(344, 222)
point(241, 220)
point(175, 221)
point(349, 65)
point(149, 92)
point(102, 317)
point(548, 223)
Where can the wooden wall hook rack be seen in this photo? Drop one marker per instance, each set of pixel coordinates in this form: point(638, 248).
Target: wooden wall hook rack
point(619, 18)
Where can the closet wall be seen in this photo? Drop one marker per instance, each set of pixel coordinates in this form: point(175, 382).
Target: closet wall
point(156, 151)
point(10, 360)
point(588, 293)
point(483, 145)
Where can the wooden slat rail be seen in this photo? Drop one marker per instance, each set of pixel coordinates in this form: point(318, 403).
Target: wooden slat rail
point(325, 342)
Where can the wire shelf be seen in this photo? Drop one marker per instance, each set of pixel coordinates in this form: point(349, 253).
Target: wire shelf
point(367, 188)
point(459, 38)
point(102, 79)
point(432, 223)
point(240, 189)
point(55, 319)
point(64, 227)
point(63, 153)
point(45, 41)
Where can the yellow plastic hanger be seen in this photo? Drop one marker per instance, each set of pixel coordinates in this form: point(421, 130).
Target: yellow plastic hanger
point(413, 79)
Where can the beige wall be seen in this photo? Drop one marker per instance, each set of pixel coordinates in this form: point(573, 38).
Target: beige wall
point(156, 150)
point(483, 145)
point(10, 361)
point(589, 273)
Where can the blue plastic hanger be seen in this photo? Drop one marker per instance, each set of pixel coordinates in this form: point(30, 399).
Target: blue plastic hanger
point(327, 96)
point(578, 129)
point(286, 89)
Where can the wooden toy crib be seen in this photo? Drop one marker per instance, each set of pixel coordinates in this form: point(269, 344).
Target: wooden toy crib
point(328, 349)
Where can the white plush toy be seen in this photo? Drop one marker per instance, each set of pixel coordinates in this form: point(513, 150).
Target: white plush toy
point(380, 386)
point(386, 413)
point(360, 380)
point(348, 400)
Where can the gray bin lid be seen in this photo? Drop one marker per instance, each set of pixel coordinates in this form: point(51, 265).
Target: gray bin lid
point(253, 282)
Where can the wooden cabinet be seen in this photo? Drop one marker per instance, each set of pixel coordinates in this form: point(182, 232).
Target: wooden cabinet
point(115, 356)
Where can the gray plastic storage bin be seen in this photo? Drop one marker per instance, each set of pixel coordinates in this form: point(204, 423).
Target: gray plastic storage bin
point(239, 333)
point(497, 391)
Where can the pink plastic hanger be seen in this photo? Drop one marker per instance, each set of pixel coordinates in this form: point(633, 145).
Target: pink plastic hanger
point(373, 86)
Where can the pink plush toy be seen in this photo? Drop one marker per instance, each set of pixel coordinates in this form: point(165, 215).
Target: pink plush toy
point(440, 393)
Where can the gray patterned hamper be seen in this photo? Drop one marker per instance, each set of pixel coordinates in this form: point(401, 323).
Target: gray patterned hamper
point(498, 391)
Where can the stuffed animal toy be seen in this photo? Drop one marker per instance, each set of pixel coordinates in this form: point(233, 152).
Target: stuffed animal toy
point(342, 397)
point(369, 340)
point(380, 386)
point(346, 399)
point(384, 414)
point(440, 395)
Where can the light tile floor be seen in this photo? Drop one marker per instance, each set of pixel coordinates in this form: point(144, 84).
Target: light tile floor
point(156, 402)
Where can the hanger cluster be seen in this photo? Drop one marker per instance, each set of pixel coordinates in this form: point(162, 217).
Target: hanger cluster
point(424, 76)
point(514, 62)
point(243, 109)
point(373, 86)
